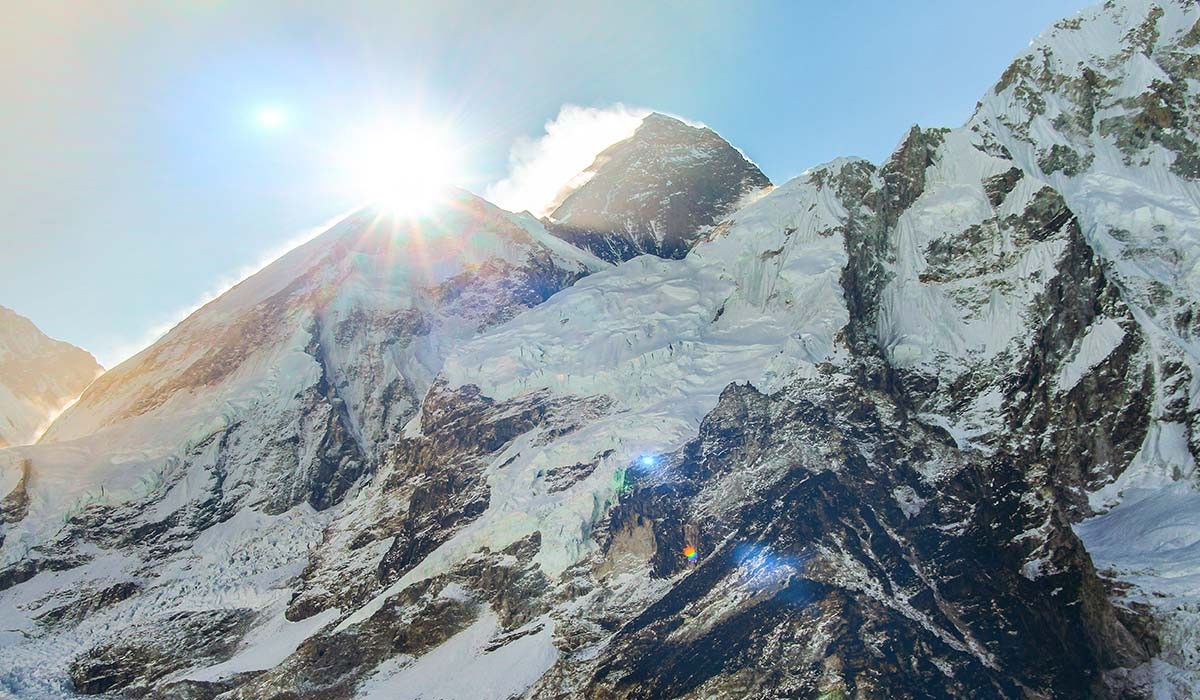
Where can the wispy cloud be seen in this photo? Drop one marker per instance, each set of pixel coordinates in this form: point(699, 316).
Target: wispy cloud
point(540, 168)
point(123, 351)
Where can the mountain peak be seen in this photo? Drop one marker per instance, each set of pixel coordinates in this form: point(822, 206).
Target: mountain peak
point(12, 322)
point(39, 376)
point(656, 191)
point(658, 120)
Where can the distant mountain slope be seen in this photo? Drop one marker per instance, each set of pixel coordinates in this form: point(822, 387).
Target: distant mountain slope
point(39, 376)
point(656, 191)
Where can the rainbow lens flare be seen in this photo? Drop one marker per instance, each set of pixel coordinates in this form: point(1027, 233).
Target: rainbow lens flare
point(689, 552)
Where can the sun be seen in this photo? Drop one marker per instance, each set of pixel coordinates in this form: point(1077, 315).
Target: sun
point(271, 117)
point(403, 168)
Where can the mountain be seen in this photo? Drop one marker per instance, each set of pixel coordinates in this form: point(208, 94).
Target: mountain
point(924, 428)
point(39, 377)
point(655, 192)
point(264, 411)
point(286, 390)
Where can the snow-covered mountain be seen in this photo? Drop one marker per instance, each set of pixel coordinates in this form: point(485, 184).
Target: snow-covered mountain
point(924, 428)
point(286, 390)
point(39, 377)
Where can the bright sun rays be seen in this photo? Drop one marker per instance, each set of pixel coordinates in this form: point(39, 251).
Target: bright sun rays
point(404, 168)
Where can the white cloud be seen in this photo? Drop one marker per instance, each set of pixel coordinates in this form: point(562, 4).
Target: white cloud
point(124, 350)
point(540, 168)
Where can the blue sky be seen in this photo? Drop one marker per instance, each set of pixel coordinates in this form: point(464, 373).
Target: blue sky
point(137, 179)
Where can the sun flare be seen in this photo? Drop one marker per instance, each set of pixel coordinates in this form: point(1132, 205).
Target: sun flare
point(271, 117)
point(403, 168)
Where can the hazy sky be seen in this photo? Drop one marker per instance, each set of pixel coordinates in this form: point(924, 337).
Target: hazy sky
point(137, 177)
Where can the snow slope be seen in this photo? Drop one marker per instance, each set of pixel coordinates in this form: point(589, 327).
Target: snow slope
point(661, 339)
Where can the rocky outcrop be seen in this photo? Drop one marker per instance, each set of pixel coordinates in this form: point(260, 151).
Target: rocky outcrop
point(412, 623)
point(853, 571)
point(432, 486)
point(151, 650)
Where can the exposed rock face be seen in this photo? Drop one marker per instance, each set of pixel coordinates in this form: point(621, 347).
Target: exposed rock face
point(655, 192)
point(430, 487)
point(835, 597)
point(39, 377)
point(864, 439)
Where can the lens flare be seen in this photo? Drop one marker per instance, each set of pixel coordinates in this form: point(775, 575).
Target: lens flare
point(762, 569)
point(689, 552)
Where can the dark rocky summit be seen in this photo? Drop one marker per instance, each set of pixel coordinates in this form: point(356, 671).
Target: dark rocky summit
point(656, 192)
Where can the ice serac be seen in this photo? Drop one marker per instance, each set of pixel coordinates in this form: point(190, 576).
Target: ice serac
point(655, 192)
point(39, 377)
